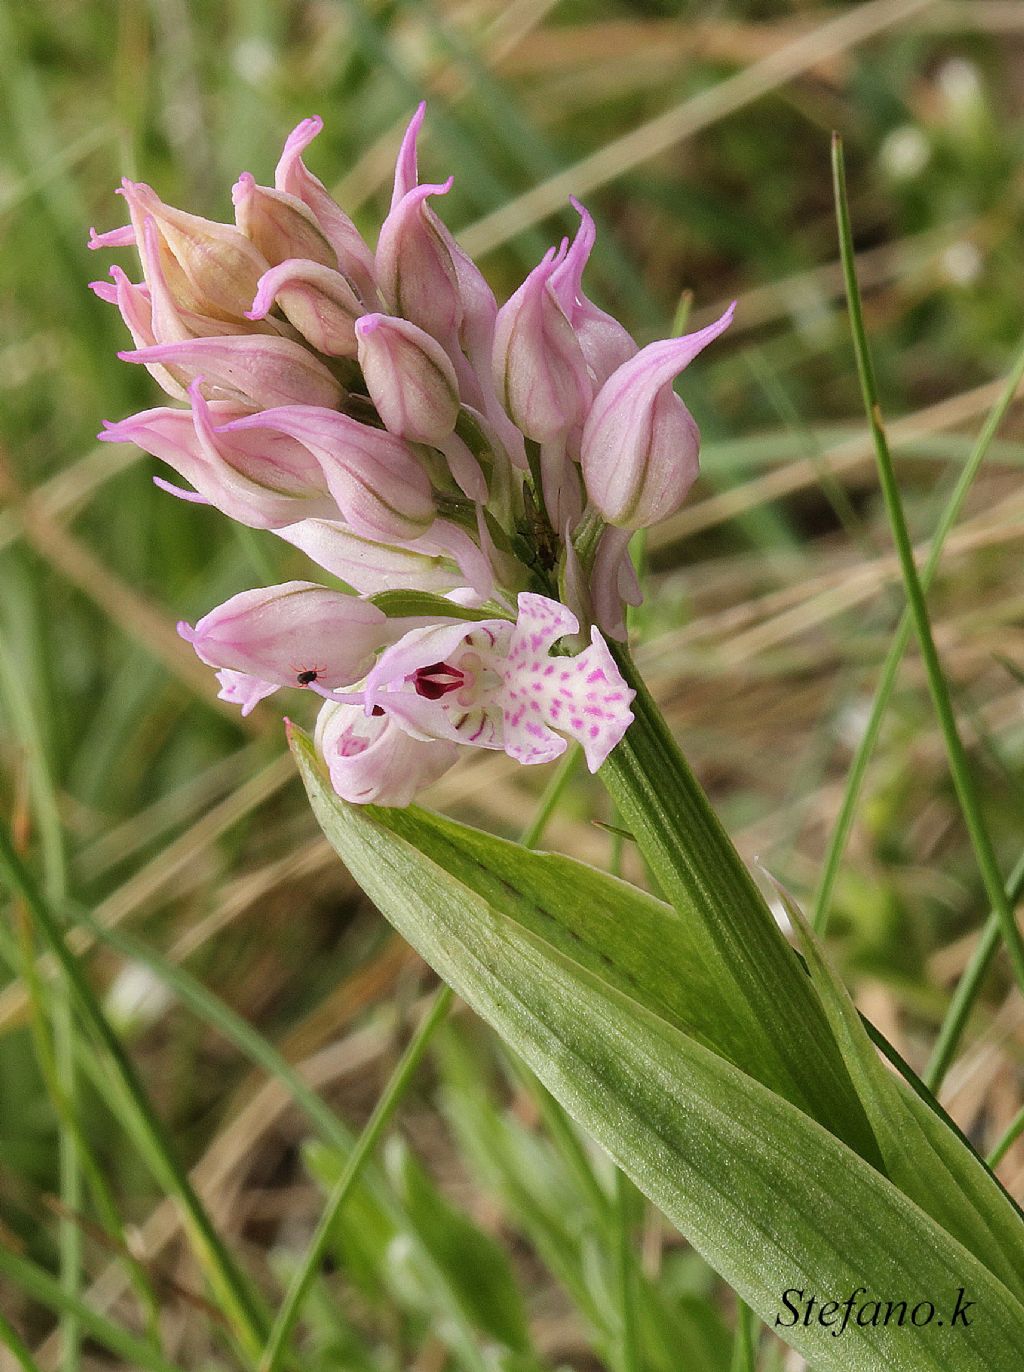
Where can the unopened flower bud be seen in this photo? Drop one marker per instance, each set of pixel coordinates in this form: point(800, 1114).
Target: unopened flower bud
point(294, 634)
point(379, 486)
point(171, 321)
point(266, 481)
point(475, 308)
point(414, 267)
point(539, 370)
point(257, 370)
point(413, 384)
point(640, 443)
point(279, 224)
point(372, 760)
point(604, 342)
point(317, 301)
point(211, 268)
point(409, 376)
point(355, 260)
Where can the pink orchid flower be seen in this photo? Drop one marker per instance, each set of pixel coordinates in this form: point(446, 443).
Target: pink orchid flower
point(494, 684)
point(295, 634)
point(372, 760)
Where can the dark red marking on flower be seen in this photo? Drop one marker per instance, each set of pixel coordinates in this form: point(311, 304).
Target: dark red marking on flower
point(308, 676)
point(437, 680)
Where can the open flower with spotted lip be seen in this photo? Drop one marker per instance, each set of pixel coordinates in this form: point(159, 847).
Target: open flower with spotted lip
point(494, 684)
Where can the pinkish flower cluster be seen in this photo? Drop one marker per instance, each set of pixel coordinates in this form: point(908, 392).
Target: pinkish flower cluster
point(379, 412)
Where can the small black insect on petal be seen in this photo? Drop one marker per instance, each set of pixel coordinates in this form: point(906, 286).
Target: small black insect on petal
point(304, 678)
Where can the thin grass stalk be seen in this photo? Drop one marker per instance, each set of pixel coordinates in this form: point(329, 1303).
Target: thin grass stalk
point(91, 1168)
point(744, 1348)
point(968, 987)
point(388, 1102)
point(1011, 1136)
point(16, 1346)
point(58, 1067)
point(47, 1290)
point(232, 1290)
point(626, 1274)
point(883, 693)
point(959, 765)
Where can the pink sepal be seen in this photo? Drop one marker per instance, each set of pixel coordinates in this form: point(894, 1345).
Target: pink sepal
point(257, 370)
point(355, 259)
point(640, 443)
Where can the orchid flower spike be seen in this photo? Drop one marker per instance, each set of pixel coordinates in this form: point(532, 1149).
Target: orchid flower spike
point(296, 634)
point(493, 684)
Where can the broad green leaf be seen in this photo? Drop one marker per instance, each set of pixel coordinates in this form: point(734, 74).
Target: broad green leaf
point(923, 1156)
point(733, 933)
point(771, 1198)
point(650, 953)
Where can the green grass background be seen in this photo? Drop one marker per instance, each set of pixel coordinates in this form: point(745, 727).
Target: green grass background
point(488, 1234)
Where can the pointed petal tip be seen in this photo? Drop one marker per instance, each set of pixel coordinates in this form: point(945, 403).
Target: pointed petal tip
point(368, 324)
point(179, 492)
point(243, 187)
point(186, 631)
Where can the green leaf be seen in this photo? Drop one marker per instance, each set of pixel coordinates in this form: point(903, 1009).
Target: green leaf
point(767, 1195)
point(756, 978)
point(425, 604)
point(922, 1155)
point(656, 958)
point(475, 1268)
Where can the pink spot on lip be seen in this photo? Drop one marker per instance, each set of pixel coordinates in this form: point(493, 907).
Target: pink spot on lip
point(577, 724)
point(594, 731)
point(596, 675)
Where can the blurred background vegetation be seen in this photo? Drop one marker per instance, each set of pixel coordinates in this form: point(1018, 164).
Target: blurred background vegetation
point(488, 1234)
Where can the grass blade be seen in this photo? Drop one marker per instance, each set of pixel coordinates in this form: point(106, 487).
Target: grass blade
point(963, 779)
point(226, 1279)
